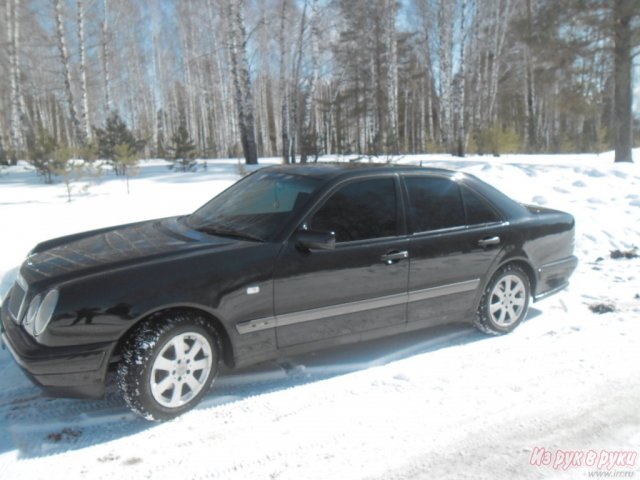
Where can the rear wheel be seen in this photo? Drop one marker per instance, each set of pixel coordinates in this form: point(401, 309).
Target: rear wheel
point(168, 364)
point(505, 301)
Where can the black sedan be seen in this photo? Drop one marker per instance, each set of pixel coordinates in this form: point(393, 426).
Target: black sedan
point(287, 260)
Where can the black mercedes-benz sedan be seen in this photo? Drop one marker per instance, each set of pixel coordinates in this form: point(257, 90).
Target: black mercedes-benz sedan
point(287, 260)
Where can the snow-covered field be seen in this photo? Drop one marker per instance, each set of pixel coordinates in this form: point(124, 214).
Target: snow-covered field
point(557, 398)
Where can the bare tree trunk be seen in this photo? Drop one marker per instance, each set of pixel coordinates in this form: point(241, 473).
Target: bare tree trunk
point(156, 89)
point(391, 48)
point(530, 115)
point(242, 80)
point(84, 103)
point(622, 119)
point(77, 134)
point(296, 83)
point(502, 19)
point(16, 138)
point(105, 58)
point(460, 124)
point(308, 140)
point(446, 12)
point(284, 90)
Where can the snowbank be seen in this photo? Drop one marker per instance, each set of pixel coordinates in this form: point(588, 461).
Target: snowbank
point(451, 403)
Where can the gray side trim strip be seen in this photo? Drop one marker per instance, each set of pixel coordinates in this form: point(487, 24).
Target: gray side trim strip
point(354, 307)
point(342, 309)
point(427, 293)
point(256, 325)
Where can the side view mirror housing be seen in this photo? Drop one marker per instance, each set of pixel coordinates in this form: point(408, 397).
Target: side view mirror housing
point(312, 240)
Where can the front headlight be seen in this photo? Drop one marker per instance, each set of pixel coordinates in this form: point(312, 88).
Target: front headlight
point(45, 312)
point(40, 312)
point(30, 317)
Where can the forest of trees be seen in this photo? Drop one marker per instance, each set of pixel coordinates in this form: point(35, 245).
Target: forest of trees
point(299, 78)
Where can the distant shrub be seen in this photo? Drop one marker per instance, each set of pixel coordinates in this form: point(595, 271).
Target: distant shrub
point(495, 141)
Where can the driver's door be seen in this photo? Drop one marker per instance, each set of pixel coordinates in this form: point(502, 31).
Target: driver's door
point(360, 285)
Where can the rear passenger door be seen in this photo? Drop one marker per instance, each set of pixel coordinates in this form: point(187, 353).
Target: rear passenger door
point(449, 258)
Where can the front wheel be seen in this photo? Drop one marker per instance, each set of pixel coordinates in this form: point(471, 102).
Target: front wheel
point(505, 301)
point(168, 364)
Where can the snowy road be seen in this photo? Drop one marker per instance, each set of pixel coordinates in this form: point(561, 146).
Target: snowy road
point(446, 404)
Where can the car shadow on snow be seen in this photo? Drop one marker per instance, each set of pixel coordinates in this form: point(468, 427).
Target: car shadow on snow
point(36, 425)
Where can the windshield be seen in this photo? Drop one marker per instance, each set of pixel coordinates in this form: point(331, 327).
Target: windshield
point(256, 207)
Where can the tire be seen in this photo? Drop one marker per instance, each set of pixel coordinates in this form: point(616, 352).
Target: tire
point(156, 375)
point(505, 301)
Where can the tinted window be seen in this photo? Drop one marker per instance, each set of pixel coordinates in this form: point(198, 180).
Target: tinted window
point(434, 203)
point(258, 205)
point(478, 211)
point(359, 210)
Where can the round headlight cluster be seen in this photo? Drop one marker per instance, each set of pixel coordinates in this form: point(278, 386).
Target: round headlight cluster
point(40, 312)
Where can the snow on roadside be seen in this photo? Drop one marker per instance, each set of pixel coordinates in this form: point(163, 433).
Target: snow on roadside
point(567, 379)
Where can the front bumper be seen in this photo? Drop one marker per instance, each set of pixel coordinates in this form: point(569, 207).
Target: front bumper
point(78, 371)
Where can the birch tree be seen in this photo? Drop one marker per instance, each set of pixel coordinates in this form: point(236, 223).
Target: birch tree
point(283, 80)
point(460, 84)
point(13, 40)
point(337, 76)
point(84, 96)
point(241, 79)
point(391, 47)
point(446, 18)
point(77, 135)
point(106, 61)
point(308, 137)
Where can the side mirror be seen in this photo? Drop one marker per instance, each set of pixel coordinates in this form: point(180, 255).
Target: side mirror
point(310, 240)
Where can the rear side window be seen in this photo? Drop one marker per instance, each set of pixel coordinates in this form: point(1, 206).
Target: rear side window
point(478, 210)
point(359, 210)
point(434, 203)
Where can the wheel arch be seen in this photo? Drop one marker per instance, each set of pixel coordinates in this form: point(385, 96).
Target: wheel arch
point(227, 353)
point(524, 266)
point(480, 316)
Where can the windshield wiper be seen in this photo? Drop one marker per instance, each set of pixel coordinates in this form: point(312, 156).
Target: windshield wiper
point(229, 232)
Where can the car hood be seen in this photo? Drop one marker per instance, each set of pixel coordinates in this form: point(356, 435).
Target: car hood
point(119, 246)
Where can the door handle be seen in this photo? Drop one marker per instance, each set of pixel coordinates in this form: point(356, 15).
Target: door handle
point(394, 256)
point(489, 241)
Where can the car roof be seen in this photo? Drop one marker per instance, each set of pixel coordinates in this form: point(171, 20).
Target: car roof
point(327, 170)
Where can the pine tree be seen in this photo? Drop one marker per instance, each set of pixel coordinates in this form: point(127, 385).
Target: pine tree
point(127, 158)
point(42, 155)
point(66, 167)
point(3, 156)
point(183, 150)
point(113, 134)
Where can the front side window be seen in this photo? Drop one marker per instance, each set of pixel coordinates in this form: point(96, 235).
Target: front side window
point(360, 210)
point(257, 207)
point(434, 203)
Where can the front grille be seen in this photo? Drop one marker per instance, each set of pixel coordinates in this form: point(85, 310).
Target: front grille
point(17, 299)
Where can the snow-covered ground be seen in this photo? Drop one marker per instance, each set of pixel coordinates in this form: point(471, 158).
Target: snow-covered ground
point(557, 398)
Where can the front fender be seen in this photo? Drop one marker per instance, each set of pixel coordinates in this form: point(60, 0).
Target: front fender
point(102, 307)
